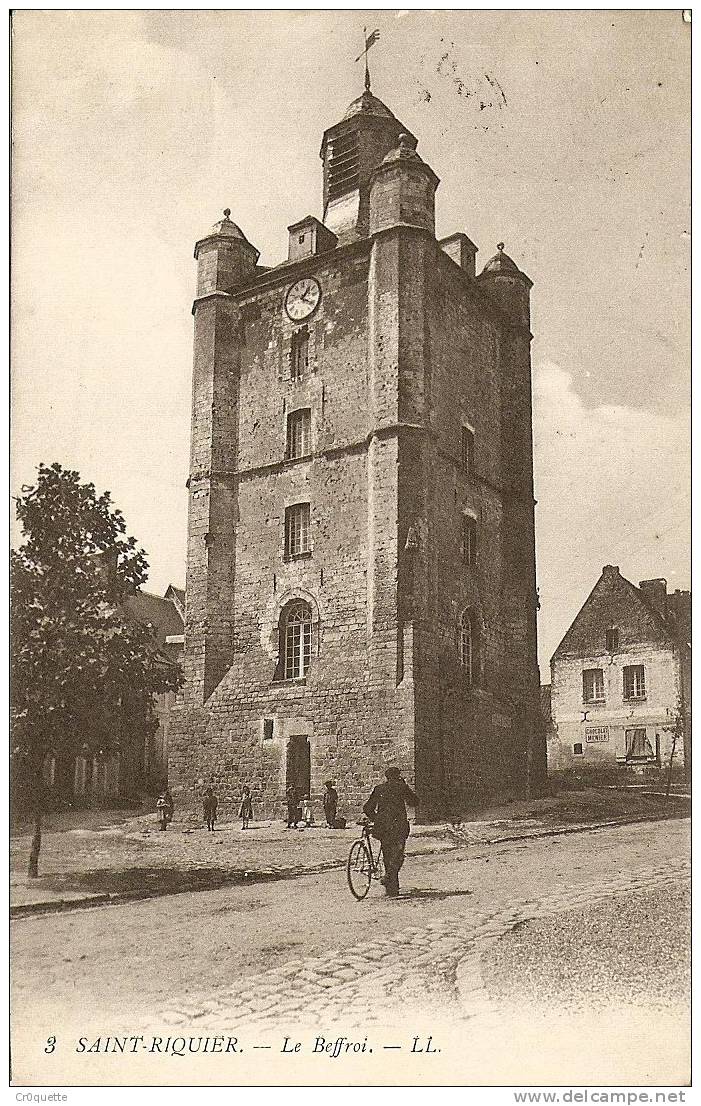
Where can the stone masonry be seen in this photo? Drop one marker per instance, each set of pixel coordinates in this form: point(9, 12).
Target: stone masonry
point(408, 355)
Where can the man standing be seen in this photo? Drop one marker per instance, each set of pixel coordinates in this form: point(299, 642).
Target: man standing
point(210, 808)
point(386, 807)
point(330, 804)
point(294, 814)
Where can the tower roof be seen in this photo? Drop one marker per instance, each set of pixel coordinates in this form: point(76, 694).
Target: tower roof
point(228, 228)
point(501, 262)
point(367, 104)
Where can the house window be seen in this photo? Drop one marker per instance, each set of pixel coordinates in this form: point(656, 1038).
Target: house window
point(299, 357)
point(611, 640)
point(297, 640)
point(80, 775)
point(297, 529)
point(299, 432)
point(593, 685)
point(638, 745)
point(578, 749)
point(469, 540)
point(468, 450)
point(469, 646)
point(301, 239)
point(634, 681)
point(268, 729)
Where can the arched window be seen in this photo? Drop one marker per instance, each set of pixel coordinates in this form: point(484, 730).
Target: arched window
point(296, 639)
point(469, 646)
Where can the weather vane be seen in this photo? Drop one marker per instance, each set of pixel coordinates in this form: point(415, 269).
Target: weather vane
point(369, 40)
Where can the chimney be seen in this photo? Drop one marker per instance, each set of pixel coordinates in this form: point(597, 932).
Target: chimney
point(655, 591)
point(610, 570)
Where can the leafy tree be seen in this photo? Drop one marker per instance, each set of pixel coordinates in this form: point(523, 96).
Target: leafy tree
point(81, 670)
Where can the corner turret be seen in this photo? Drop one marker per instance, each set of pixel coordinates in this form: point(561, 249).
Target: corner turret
point(402, 190)
point(502, 279)
point(226, 260)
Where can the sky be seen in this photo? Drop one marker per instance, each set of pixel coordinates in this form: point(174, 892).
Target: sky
point(564, 134)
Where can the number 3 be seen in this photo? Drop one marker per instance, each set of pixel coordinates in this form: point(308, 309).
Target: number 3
point(50, 1045)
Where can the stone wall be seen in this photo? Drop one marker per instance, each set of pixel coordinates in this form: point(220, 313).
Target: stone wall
point(403, 350)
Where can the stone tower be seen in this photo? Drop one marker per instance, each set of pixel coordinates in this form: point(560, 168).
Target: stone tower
point(361, 565)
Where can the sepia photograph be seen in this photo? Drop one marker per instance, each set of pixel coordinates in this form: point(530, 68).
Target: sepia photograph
point(350, 578)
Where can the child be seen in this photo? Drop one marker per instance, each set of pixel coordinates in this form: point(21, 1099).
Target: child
point(246, 808)
point(210, 808)
point(307, 816)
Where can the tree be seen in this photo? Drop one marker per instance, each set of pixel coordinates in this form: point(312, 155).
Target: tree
point(80, 666)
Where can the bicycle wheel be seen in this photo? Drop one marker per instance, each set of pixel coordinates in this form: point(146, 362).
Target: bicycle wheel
point(359, 869)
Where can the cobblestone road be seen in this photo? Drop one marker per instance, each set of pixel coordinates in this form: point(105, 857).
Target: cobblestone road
point(430, 969)
point(301, 956)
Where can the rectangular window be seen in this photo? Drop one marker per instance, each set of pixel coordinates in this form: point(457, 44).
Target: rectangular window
point(468, 450)
point(469, 540)
point(611, 640)
point(634, 681)
point(80, 776)
point(268, 729)
point(593, 685)
point(299, 354)
point(299, 433)
point(296, 529)
point(638, 745)
point(578, 749)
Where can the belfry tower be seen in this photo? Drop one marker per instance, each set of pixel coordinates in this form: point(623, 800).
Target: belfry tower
point(361, 559)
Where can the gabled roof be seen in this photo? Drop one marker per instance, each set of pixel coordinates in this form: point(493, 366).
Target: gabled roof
point(545, 701)
point(177, 596)
point(615, 602)
point(160, 613)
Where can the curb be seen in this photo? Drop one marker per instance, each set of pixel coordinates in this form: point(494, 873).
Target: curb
point(272, 875)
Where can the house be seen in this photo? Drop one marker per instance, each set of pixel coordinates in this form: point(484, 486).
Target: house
point(620, 695)
point(166, 617)
point(361, 566)
point(135, 766)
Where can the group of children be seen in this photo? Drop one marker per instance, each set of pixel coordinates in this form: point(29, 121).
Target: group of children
point(210, 803)
point(299, 808)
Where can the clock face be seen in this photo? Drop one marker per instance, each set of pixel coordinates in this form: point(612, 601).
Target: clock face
point(302, 298)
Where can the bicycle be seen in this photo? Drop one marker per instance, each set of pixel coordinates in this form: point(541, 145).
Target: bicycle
point(364, 864)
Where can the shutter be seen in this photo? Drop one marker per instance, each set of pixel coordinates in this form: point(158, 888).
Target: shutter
point(619, 738)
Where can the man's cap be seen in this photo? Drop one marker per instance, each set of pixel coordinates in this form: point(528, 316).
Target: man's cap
point(329, 783)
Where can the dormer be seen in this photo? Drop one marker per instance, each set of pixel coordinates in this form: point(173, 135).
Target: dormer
point(307, 237)
point(461, 250)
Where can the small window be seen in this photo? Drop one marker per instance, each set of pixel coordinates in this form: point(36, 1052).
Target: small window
point(469, 540)
point(638, 745)
point(296, 529)
point(268, 729)
point(611, 640)
point(301, 238)
point(296, 640)
point(593, 685)
point(80, 775)
point(468, 450)
point(578, 749)
point(299, 355)
point(469, 650)
point(634, 681)
point(299, 433)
